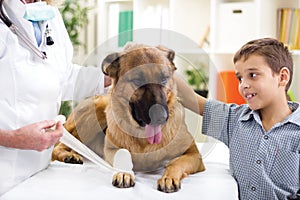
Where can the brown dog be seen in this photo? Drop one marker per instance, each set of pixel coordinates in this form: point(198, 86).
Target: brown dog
point(142, 114)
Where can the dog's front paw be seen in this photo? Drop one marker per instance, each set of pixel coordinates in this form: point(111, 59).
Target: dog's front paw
point(63, 153)
point(68, 157)
point(123, 180)
point(73, 159)
point(168, 184)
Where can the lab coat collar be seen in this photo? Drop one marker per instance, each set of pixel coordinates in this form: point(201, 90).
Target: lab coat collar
point(16, 6)
point(15, 10)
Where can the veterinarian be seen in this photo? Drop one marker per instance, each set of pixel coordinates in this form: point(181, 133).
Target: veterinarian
point(263, 135)
point(36, 74)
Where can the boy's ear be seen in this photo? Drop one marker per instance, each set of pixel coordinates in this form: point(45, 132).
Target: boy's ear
point(284, 76)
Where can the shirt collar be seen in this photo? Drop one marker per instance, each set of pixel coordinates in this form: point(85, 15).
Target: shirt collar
point(248, 114)
point(294, 117)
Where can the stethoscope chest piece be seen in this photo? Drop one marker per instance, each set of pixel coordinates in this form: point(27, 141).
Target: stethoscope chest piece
point(49, 39)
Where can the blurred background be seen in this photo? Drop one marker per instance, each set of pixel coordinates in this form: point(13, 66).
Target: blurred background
point(207, 33)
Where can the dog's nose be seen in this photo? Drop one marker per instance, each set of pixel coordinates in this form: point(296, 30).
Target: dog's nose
point(158, 114)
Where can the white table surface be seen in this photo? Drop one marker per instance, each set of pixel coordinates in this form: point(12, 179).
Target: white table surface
point(88, 181)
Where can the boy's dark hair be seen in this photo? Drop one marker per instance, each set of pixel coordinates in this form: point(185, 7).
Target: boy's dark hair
point(275, 53)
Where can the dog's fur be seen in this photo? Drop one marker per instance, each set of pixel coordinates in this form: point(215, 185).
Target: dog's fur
point(143, 95)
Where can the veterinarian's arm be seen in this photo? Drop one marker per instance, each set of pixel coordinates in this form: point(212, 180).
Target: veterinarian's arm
point(37, 136)
point(188, 97)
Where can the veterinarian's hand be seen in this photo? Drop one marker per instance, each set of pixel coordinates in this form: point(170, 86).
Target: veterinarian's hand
point(188, 97)
point(37, 136)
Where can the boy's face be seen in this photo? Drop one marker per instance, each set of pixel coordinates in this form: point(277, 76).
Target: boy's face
point(257, 83)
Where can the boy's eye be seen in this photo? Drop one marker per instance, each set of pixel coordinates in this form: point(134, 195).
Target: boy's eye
point(239, 78)
point(252, 75)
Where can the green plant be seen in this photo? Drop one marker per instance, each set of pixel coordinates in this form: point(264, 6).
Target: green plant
point(197, 78)
point(75, 16)
point(65, 108)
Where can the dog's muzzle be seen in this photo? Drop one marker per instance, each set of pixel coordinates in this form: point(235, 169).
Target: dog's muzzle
point(158, 115)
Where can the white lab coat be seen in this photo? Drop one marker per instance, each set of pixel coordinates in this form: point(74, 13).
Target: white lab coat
point(31, 89)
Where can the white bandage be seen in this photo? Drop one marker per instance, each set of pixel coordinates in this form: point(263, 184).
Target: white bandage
point(123, 161)
point(82, 149)
point(60, 118)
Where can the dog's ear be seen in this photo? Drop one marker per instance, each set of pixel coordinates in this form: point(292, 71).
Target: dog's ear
point(111, 65)
point(169, 52)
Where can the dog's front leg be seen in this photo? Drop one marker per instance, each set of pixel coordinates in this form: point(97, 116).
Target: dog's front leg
point(122, 162)
point(124, 178)
point(190, 162)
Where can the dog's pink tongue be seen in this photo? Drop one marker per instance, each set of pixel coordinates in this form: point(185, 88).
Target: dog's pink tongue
point(153, 134)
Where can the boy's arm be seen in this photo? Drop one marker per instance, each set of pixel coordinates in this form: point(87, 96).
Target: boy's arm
point(216, 122)
point(201, 103)
point(188, 97)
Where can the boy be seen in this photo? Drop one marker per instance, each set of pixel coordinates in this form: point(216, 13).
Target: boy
point(263, 135)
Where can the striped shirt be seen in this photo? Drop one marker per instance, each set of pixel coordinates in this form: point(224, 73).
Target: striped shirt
point(265, 164)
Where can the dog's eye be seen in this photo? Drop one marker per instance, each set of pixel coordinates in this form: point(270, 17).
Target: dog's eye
point(137, 82)
point(164, 79)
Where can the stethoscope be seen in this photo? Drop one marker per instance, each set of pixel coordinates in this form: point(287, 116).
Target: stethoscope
point(14, 29)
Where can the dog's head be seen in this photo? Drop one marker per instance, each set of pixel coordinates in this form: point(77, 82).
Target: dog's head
point(143, 77)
